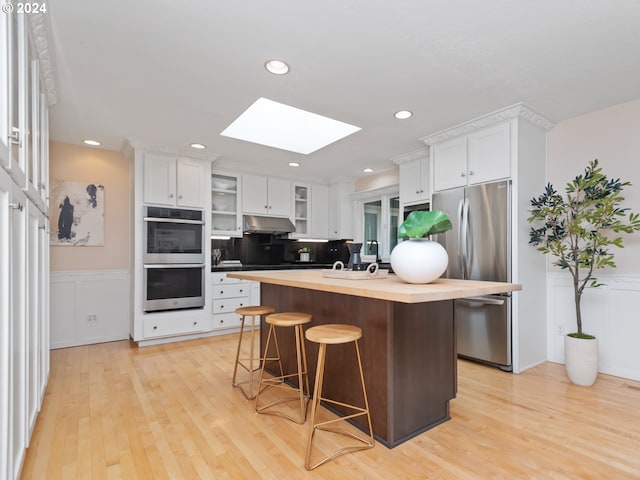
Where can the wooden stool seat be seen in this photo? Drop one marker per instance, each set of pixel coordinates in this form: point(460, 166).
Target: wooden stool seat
point(285, 320)
point(288, 319)
point(253, 312)
point(334, 334)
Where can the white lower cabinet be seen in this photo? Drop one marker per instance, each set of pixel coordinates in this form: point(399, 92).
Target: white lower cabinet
point(229, 294)
point(165, 326)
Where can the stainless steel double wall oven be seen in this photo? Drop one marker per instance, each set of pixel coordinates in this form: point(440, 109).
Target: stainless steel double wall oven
point(174, 258)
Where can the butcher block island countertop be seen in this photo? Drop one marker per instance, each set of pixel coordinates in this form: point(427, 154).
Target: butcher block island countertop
point(408, 344)
point(387, 288)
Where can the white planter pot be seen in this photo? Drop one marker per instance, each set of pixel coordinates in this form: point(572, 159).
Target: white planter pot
point(304, 257)
point(581, 360)
point(419, 260)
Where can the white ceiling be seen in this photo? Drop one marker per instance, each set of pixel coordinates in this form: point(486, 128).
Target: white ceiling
point(172, 72)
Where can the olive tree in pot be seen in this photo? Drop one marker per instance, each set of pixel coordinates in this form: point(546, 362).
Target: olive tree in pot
point(578, 229)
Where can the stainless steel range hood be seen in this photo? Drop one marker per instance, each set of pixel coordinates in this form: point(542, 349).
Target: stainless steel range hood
point(259, 224)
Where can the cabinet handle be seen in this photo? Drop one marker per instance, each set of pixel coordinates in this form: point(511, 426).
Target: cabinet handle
point(155, 327)
point(15, 139)
point(470, 172)
point(462, 175)
point(266, 206)
point(417, 191)
point(171, 195)
point(16, 206)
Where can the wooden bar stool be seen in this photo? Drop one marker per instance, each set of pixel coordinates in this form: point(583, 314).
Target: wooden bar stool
point(253, 312)
point(295, 320)
point(333, 334)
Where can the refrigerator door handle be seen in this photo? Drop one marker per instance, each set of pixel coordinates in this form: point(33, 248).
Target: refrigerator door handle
point(461, 252)
point(464, 228)
point(481, 301)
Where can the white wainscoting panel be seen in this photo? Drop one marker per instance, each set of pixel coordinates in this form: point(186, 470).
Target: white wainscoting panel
point(610, 312)
point(89, 307)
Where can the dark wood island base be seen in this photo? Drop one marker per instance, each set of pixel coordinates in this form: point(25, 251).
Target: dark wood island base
point(408, 356)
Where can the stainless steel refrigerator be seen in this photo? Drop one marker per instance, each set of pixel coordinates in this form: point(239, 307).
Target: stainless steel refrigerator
point(479, 248)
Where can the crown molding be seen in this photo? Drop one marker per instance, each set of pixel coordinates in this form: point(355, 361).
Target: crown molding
point(519, 110)
point(43, 47)
point(407, 157)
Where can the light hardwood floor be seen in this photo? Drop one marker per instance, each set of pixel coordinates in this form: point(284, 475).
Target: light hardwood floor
point(113, 411)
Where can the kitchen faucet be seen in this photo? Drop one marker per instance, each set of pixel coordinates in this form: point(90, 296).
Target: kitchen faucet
point(371, 244)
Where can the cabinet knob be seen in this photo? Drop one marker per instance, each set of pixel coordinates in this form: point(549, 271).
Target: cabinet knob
point(417, 191)
point(240, 290)
point(462, 175)
point(155, 327)
point(221, 292)
point(180, 196)
point(266, 206)
point(470, 172)
point(171, 195)
point(195, 323)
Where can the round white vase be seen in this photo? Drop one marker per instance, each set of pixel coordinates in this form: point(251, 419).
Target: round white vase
point(419, 260)
point(581, 360)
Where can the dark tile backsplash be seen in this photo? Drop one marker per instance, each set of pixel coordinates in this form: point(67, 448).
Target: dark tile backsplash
point(265, 249)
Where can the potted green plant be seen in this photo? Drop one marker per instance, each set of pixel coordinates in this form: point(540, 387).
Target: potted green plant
point(421, 260)
point(579, 229)
point(304, 253)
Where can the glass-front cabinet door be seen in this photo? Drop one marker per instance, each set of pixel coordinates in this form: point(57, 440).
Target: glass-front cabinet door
point(226, 211)
point(301, 203)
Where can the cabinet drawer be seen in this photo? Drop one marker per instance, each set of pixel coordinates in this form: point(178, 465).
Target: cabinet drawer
point(227, 320)
point(231, 290)
point(220, 278)
point(226, 305)
point(162, 327)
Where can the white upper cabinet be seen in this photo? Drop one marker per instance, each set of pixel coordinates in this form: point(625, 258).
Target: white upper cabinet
point(449, 164)
point(226, 212)
point(14, 57)
point(319, 212)
point(301, 210)
point(414, 181)
point(173, 181)
point(266, 196)
point(478, 157)
point(340, 210)
point(489, 153)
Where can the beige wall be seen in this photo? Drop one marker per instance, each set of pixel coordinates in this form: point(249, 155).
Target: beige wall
point(111, 169)
point(378, 180)
point(611, 135)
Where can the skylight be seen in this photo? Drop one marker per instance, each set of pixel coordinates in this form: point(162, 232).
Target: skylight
point(280, 126)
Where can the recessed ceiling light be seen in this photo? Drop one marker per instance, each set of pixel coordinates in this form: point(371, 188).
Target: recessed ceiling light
point(93, 143)
point(277, 67)
point(281, 126)
point(402, 114)
point(199, 146)
point(368, 170)
point(294, 164)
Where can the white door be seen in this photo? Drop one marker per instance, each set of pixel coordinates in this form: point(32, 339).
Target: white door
point(191, 177)
point(279, 195)
point(254, 194)
point(489, 154)
point(159, 179)
point(450, 164)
